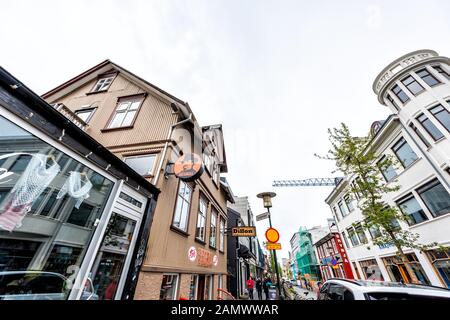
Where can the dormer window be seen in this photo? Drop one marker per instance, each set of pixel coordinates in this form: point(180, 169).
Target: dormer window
point(103, 83)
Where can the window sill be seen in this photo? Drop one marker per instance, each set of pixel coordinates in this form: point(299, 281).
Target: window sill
point(183, 233)
point(222, 252)
point(200, 241)
point(213, 248)
point(439, 140)
point(116, 129)
point(95, 92)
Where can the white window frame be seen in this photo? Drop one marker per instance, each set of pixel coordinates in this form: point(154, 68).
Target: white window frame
point(103, 83)
point(131, 108)
point(201, 217)
point(153, 155)
point(177, 275)
point(188, 201)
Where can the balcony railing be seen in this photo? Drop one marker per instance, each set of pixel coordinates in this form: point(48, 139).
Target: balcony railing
point(69, 114)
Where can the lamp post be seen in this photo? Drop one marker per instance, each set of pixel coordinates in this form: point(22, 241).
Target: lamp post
point(267, 202)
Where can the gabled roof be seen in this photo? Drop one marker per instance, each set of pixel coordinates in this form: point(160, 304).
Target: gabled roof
point(106, 67)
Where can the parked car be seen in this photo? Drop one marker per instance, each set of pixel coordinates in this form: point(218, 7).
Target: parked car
point(345, 289)
point(38, 285)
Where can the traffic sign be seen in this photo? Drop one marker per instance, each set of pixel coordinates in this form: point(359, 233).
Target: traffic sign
point(273, 246)
point(262, 216)
point(243, 232)
point(272, 235)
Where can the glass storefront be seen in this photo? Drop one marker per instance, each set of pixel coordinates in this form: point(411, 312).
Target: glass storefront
point(50, 206)
point(398, 272)
point(440, 260)
point(169, 287)
point(370, 269)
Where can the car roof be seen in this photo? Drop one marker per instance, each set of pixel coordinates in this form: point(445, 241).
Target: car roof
point(386, 286)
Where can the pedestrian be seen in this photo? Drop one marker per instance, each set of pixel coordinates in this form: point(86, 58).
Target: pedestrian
point(267, 284)
point(250, 286)
point(259, 288)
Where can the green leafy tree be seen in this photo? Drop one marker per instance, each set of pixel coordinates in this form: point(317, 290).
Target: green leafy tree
point(355, 157)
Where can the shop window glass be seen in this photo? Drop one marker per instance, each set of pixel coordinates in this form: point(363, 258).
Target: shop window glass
point(371, 270)
point(169, 287)
point(441, 263)
point(193, 287)
point(412, 209)
point(33, 222)
point(435, 197)
point(110, 260)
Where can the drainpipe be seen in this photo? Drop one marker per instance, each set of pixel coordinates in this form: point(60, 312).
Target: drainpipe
point(166, 145)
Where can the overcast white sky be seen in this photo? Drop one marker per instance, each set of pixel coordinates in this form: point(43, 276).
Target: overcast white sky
point(276, 74)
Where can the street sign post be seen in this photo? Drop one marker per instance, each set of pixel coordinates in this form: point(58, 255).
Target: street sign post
point(273, 246)
point(262, 216)
point(243, 232)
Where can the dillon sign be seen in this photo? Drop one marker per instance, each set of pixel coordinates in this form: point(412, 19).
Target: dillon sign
point(243, 232)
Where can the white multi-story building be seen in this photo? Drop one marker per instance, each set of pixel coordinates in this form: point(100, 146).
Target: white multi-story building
point(416, 88)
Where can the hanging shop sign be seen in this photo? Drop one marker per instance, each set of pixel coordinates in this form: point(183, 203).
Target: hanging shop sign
point(188, 167)
point(273, 246)
point(243, 232)
point(272, 235)
point(343, 254)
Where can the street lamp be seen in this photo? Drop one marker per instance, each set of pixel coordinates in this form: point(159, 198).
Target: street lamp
point(267, 202)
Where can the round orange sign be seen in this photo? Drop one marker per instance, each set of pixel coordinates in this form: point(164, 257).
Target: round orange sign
point(272, 235)
point(188, 167)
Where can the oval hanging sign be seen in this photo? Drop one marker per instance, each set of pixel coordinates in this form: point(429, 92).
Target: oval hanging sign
point(188, 167)
point(272, 235)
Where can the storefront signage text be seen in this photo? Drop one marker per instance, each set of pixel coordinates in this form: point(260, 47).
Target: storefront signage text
point(273, 246)
point(244, 232)
point(205, 258)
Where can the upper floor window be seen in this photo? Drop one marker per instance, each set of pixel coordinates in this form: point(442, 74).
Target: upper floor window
point(420, 135)
point(201, 219)
point(427, 77)
point(374, 231)
point(388, 172)
point(222, 235)
point(343, 208)
point(404, 153)
point(401, 95)
point(85, 114)
point(125, 112)
point(181, 215)
point(344, 236)
point(142, 164)
point(336, 214)
point(353, 237)
point(442, 71)
point(413, 86)
point(435, 197)
point(360, 232)
point(412, 210)
point(213, 228)
point(349, 202)
point(391, 100)
point(429, 126)
point(442, 115)
point(103, 83)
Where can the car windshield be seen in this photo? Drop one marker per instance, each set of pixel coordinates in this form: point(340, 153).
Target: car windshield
point(32, 286)
point(401, 296)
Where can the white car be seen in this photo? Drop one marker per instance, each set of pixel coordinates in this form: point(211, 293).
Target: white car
point(345, 289)
point(38, 285)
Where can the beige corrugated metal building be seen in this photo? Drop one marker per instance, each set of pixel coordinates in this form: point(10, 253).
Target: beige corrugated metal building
point(186, 252)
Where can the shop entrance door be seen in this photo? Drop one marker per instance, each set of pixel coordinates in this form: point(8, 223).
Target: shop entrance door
point(201, 287)
point(110, 267)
